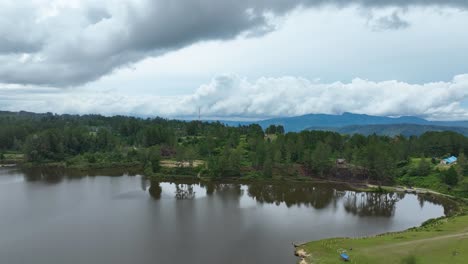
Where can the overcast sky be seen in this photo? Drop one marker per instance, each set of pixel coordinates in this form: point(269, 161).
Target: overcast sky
point(243, 59)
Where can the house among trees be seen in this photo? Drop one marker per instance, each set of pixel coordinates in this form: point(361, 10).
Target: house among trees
point(449, 161)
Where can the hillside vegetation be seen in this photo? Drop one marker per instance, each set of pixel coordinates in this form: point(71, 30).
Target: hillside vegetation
point(214, 150)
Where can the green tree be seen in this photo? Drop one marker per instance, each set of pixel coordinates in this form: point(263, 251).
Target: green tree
point(190, 155)
point(424, 167)
point(308, 161)
point(320, 158)
point(46, 146)
point(258, 153)
point(105, 140)
point(148, 169)
point(270, 130)
point(268, 167)
point(451, 176)
point(462, 164)
point(90, 158)
point(154, 159)
point(234, 162)
point(2, 156)
point(273, 129)
point(280, 130)
point(464, 187)
point(180, 156)
point(378, 158)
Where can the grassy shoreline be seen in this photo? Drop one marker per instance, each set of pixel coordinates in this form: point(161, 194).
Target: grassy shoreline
point(442, 240)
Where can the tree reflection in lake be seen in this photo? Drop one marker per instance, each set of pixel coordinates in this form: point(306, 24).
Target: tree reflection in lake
point(228, 191)
point(54, 175)
point(318, 196)
point(184, 192)
point(448, 205)
point(46, 174)
point(155, 190)
point(294, 194)
point(144, 183)
point(210, 188)
point(371, 204)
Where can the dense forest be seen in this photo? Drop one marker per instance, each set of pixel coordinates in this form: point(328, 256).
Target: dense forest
point(212, 149)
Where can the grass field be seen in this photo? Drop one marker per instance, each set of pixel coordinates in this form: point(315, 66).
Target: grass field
point(439, 241)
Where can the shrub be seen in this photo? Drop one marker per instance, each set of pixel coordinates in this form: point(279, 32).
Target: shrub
point(90, 158)
point(451, 176)
point(411, 259)
point(424, 167)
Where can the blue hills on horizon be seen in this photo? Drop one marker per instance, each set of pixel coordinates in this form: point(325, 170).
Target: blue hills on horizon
point(349, 123)
point(346, 123)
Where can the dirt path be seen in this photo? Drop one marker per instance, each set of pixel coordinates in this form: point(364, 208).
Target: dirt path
point(415, 190)
point(465, 235)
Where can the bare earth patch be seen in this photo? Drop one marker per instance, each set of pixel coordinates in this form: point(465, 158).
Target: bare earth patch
point(183, 164)
point(301, 253)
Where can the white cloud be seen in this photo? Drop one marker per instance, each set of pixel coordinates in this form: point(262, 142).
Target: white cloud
point(230, 96)
point(79, 41)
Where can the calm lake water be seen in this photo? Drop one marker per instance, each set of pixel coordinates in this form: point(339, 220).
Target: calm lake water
point(55, 216)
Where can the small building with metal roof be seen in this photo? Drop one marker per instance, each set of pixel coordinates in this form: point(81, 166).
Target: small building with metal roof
point(450, 160)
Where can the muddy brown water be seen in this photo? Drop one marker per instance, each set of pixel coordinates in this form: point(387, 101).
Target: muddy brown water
point(59, 216)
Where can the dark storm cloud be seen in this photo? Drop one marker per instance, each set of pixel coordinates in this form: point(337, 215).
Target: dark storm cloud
point(77, 46)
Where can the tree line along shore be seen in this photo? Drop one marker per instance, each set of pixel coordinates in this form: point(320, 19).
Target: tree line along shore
point(174, 148)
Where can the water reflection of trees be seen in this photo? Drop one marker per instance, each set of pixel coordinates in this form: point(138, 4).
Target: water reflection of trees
point(53, 175)
point(224, 190)
point(184, 192)
point(155, 190)
point(47, 175)
point(371, 204)
point(448, 205)
point(308, 195)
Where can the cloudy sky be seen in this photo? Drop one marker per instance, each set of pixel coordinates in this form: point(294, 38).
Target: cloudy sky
point(243, 59)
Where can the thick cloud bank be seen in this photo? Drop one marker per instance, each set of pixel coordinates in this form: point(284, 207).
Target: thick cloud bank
point(66, 43)
point(231, 97)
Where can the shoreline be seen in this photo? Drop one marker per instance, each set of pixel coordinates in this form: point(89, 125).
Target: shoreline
point(405, 246)
point(418, 243)
point(354, 185)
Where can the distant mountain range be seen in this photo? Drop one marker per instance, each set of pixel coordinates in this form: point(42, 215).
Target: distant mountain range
point(395, 129)
point(349, 123)
point(346, 123)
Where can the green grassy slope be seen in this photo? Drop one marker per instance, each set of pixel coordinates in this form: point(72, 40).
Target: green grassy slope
point(440, 241)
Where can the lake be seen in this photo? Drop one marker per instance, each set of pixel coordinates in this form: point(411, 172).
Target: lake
point(59, 216)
